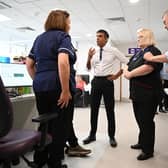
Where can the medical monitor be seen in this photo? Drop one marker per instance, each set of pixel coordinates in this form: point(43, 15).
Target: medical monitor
point(15, 75)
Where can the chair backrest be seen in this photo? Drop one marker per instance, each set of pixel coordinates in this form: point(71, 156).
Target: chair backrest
point(6, 111)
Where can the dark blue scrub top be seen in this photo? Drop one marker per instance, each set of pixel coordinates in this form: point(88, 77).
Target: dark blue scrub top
point(45, 52)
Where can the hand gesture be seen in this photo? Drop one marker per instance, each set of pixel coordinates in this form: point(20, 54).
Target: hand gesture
point(127, 74)
point(91, 52)
point(115, 76)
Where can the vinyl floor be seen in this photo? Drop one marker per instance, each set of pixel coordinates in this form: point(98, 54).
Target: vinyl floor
point(103, 155)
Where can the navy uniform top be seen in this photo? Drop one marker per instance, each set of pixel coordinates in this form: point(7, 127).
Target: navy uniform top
point(146, 87)
point(45, 52)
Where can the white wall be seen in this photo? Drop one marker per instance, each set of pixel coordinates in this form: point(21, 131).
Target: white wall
point(82, 54)
point(11, 50)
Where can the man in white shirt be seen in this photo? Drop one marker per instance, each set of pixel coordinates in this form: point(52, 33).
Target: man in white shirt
point(102, 60)
point(163, 57)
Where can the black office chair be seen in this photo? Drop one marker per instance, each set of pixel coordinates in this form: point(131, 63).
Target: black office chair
point(15, 143)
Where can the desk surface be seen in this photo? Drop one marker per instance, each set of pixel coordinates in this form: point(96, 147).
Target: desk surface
point(23, 97)
point(24, 110)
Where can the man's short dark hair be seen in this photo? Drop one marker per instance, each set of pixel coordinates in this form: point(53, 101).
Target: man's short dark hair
point(104, 32)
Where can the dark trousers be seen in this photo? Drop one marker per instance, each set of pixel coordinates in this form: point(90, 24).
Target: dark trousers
point(102, 87)
point(165, 96)
point(71, 137)
point(58, 128)
point(144, 114)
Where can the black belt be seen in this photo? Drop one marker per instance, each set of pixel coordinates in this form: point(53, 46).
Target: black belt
point(101, 77)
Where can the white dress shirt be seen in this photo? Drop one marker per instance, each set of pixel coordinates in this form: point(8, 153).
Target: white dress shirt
point(110, 57)
point(164, 72)
point(166, 54)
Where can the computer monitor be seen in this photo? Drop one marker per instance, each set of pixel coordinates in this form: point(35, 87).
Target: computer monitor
point(15, 75)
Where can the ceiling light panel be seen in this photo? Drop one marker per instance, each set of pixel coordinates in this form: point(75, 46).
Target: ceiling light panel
point(4, 18)
point(133, 1)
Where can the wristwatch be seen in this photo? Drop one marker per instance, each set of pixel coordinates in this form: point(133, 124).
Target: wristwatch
point(166, 54)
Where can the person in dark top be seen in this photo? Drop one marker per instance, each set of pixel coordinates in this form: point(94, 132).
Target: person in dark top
point(145, 85)
point(50, 64)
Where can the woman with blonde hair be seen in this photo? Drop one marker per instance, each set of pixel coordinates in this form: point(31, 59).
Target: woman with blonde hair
point(145, 82)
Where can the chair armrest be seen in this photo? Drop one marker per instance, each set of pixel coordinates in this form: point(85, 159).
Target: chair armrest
point(44, 118)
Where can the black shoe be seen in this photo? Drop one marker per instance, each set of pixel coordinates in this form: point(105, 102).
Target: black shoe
point(136, 146)
point(144, 156)
point(89, 139)
point(113, 142)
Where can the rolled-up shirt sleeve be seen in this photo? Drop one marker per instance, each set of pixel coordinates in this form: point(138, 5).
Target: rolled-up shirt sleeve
point(166, 54)
point(120, 56)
